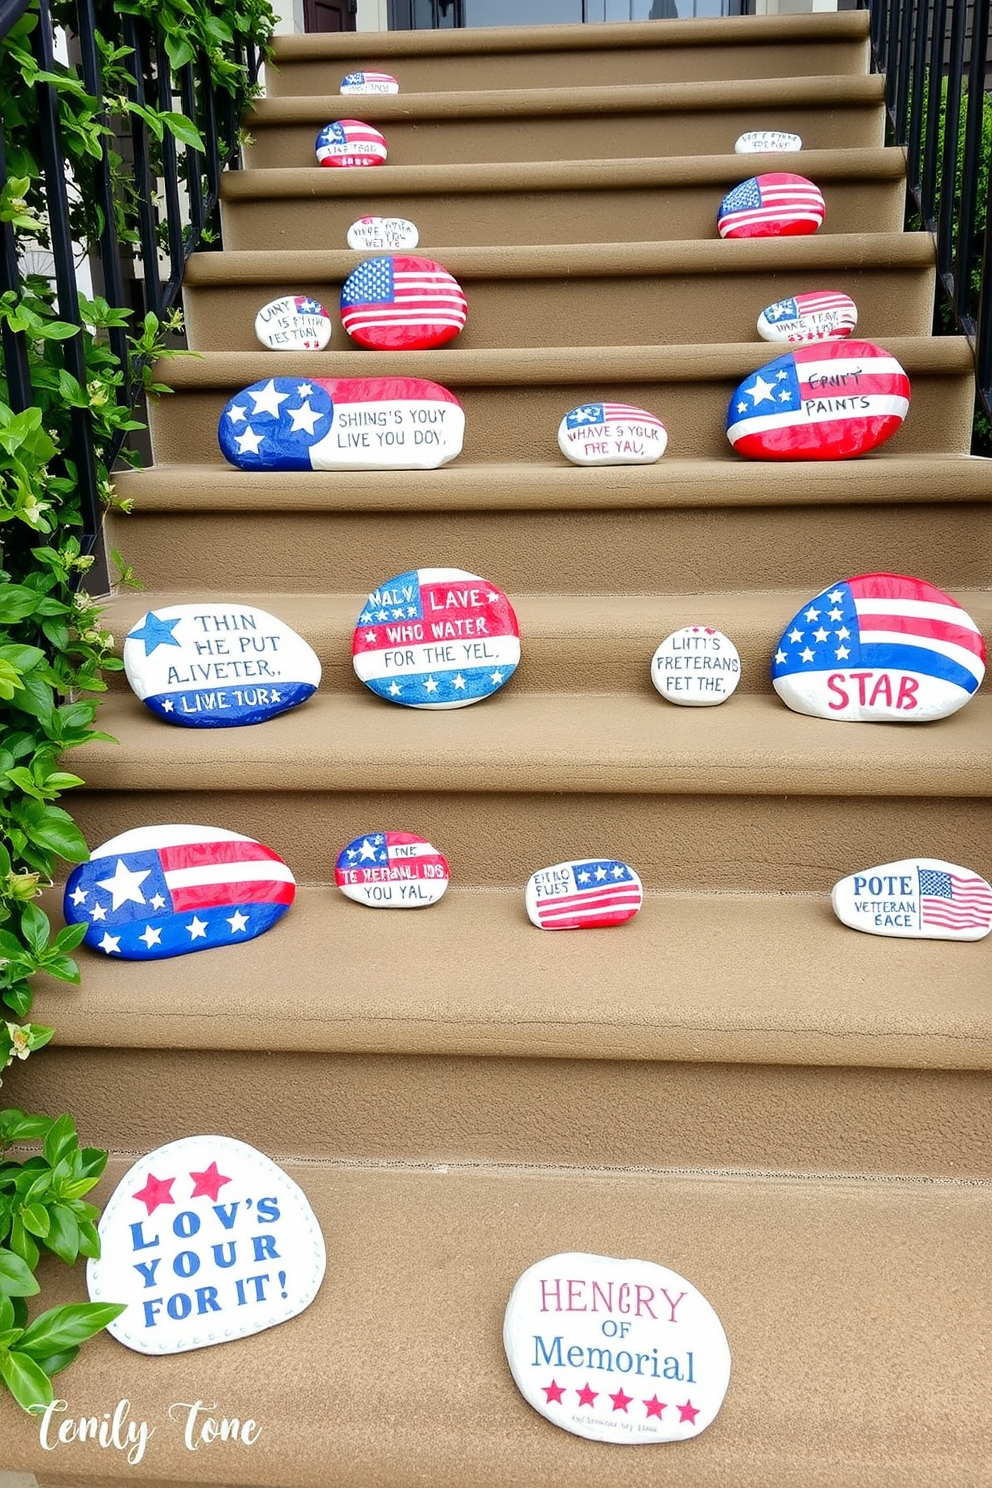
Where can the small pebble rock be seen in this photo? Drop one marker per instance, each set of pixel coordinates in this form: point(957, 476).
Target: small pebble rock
point(825, 315)
point(391, 870)
point(369, 82)
point(293, 323)
point(696, 667)
point(348, 142)
point(916, 899)
point(611, 434)
point(766, 142)
point(374, 234)
point(587, 894)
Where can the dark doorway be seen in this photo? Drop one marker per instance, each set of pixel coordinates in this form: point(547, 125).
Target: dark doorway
point(329, 15)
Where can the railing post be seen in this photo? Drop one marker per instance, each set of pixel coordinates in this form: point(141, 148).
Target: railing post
point(20, 394)
point(971, 165)
point(134, 35)
point(949, 166)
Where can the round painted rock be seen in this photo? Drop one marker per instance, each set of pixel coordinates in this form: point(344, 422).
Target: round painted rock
point(825, 315)
point(163, 891)
point(436, 638)
point(402, 304)
point(827, 402)
point(391, 870)
point(696, 667)
point(611, 434)
point(369, 82)
point(585, 895)
point(879, 648)
point(206, 1240)
point(350, 142)
point(766, 141)
point(916, 899)
point(777, 205)
point(354, 423)
point(218, 665)
point(622, 1351)
point(373, 234)
point(294, 323)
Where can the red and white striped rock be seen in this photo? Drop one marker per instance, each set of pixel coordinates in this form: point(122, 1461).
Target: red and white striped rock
point(821, 315)
point(588, 894)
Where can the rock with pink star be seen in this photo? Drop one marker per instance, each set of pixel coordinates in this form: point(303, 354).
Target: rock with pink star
point(696, 667)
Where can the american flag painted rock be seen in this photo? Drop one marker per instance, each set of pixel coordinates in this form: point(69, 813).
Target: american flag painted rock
point(611, 434)
point(293, 323)
point(391, 870)
point(436, 638)
point(205, 1240)
point(165, 891)
point(916, 899)
point(879, 648)
point(402, 304)
point(696, 667)
point(350, 142)
point(369, 82)
point(825, 402)
point(354, 423)
point(374, 234)
point(824, 315)
point(218, 665)
point(767, 141)
point(776, 205)
point(587, 894)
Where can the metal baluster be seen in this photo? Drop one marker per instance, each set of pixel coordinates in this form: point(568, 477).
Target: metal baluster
point(971, 166)
point(15, 354)
point(983, 334)
point(928, 203)
point(134, 36)
point(916, 107)
point(170, 173)
point(110, 258)
point(910, 10)
point(194, 165)
point(949, 169)
point(209, 133)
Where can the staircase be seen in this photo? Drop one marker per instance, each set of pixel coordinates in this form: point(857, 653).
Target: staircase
point(790, 1114)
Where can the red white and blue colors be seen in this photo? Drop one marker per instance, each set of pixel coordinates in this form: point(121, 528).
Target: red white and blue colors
point(879, 648)
point(611, 434)
point(369, 82)
point(350, 142)
point(391, 870)
point(589, 894)
point(827, 402)
point(436, 638)
point(293, 323)
point(401, 303)
point(775, 205)
point(163, 891)
point(824, 315)
point(916, 899)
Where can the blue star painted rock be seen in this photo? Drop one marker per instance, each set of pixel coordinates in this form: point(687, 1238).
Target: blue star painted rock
point(585, 895)
point(879, 648)
point(218, 665)
point(825, 315)
point(355, 423)
point(293, 323)
point(775, 205)
point(402, 304)
point(916, 899)
point(163, 891)
point(391, 870)
point(436, 638)
point(611, 434)
point(376, 234)
point(349, 142)
point(827, 402)
point(767, 142)
point(369, 83)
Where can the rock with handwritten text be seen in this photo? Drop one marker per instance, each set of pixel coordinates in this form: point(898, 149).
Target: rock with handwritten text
point(391, 870)
point(206, 1240)
point(823, 315)
point(613, 1350)
point(611, 434)
point(378, 234)
point(293, 323)
point(766, 142)
point(916, 899)
point(216, 665)
point(400, 303)
point(696, 667)
point(589, 894)
point(369, 83)
point(775, 205)
point(349, 142)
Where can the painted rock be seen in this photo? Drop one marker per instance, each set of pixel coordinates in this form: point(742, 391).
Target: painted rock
point(826, 315)
point(205, 1240)
point(165, 891)
point(880, 648)
point(777, 205)
point(350, 142)
point(294, 323)
point(620, 1351)
point(583, 895)
point(372, 234)
point(766, 141)
point(696, 666)
point(217, 666)
point(369, 82)
point(436, 638)
point(353, 423)
point(611, 434)
point(827, 402)
point(391, 870)
point(916, 899)
point(402, 304)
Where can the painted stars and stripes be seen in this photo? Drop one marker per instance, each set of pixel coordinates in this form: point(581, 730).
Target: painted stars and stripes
point(825, 315)
point(588, 414)
point(775, 205)
point(350, 142)
point(392, 870)
point(399, 303)
point(611, 434)
point(954, 901)
point(369, 82)
point(583, 895)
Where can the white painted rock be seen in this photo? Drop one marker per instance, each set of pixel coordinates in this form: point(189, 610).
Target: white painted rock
point(587, 894)
point(294, 323)
point(766, 141)
point(206, 1240)
point(369, 82)
point(696, 667)
point(391, 870)
point(377, 234)
point(616, 1350)
point(348, 142)
point(218, 665)
point(826, 315)
point(611, 434)
point(916, 899)
point(879, 648)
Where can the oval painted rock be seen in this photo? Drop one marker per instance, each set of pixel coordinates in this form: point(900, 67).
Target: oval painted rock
point(294, 323)
point(353, 423)
point(766, 142)
point(206, 1240)
point(827, 402)
point(622, 1351)
point(402, 304)
point(696, 667)
point(436, 638)
point(391, 870)
point(776, 205)
point(611, 434)
point(218, 665)
point(350, 142)
point(165, 891)
point(373, 234)
point(585, 895)
point(369, 82)
point(825, 315)
point(879, 648)
point(916, 899)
